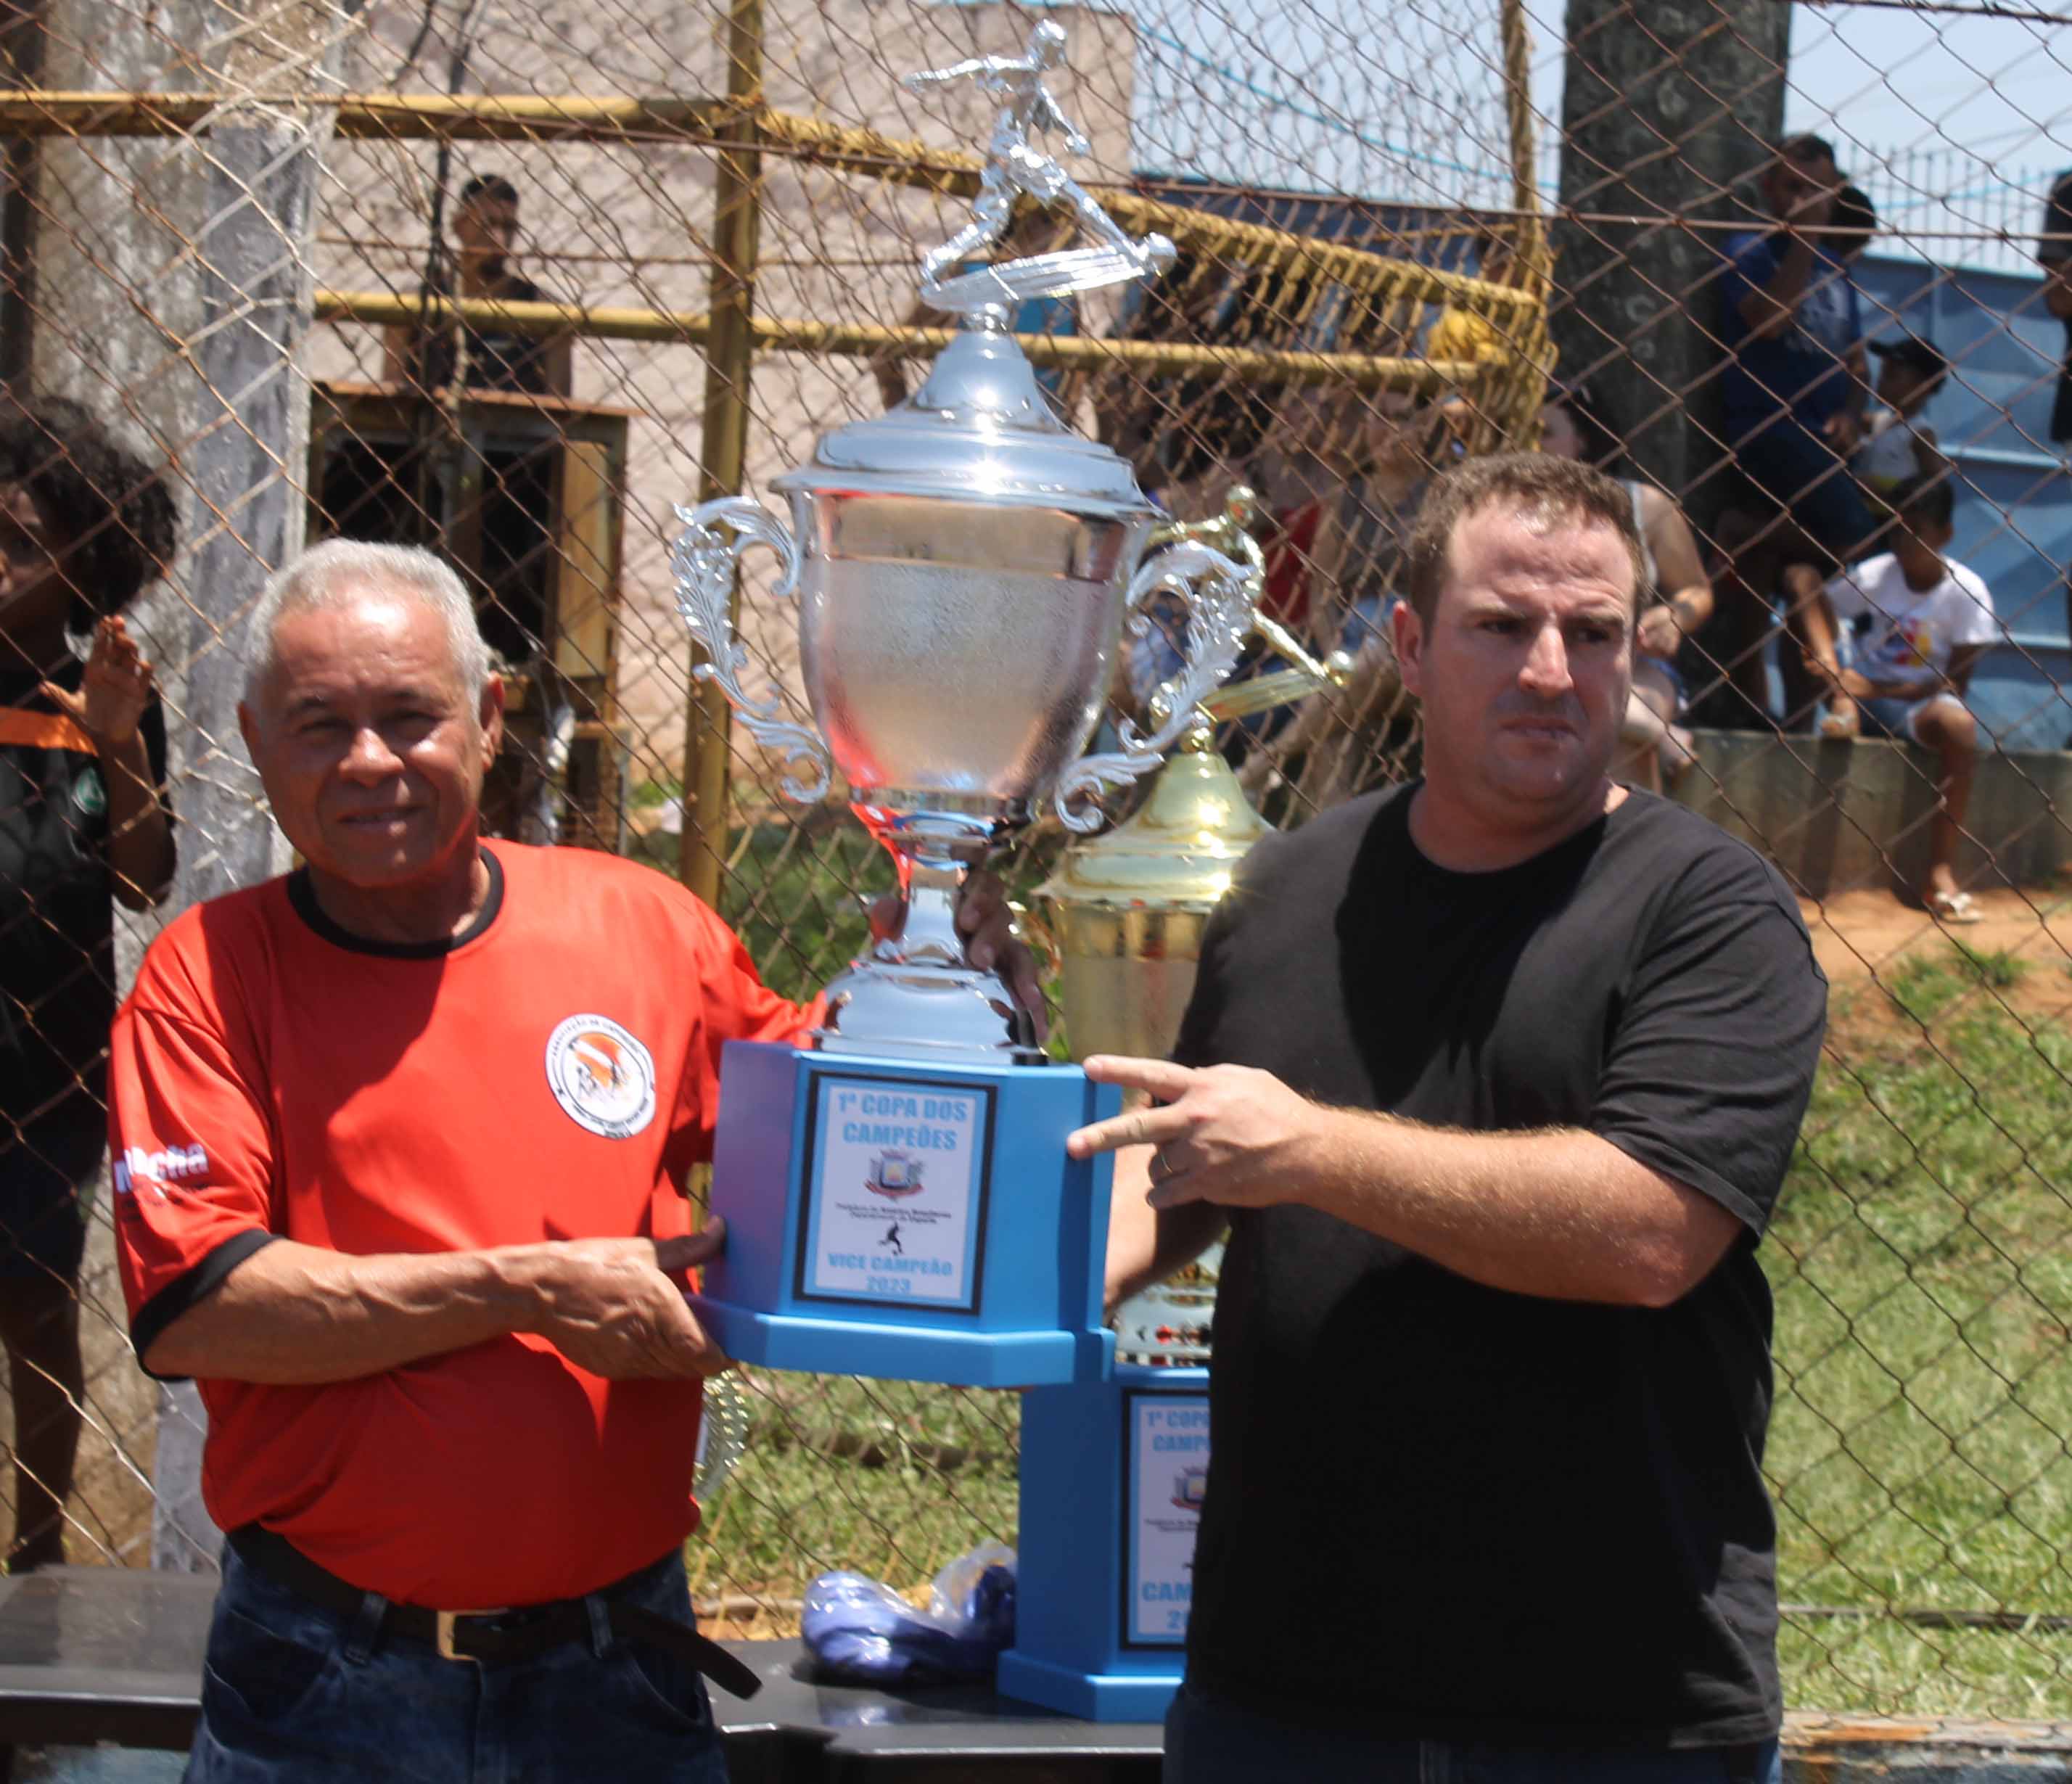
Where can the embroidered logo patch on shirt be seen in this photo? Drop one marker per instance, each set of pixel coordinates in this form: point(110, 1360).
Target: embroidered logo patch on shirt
point(89, 794)
point(602, 1077)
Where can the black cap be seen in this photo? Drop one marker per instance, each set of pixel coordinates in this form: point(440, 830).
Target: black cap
point(1912, 349)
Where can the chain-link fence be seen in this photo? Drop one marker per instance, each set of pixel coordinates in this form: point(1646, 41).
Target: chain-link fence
point(512, 281)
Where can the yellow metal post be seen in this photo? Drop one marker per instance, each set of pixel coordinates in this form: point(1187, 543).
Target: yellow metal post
point(1530, 360)
point(730, 356)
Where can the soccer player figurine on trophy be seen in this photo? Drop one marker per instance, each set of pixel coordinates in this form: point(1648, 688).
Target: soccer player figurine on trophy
point(964, 565)
point(1015, 165)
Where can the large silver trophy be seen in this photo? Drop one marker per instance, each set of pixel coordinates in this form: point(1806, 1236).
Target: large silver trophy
point(964, 567)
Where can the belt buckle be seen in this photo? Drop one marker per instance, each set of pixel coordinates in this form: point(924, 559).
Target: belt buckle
point(443, 1628)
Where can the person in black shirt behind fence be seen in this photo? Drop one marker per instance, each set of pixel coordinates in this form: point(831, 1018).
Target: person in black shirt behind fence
point(514, 505)
point(480, 357)
point(84, 816)
point(1495, 1078)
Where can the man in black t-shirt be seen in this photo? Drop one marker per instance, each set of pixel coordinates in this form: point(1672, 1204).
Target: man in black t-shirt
point(1495, 1078)
point(84, 819)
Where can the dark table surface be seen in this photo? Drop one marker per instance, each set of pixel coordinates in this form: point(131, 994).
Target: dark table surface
point(114, 1654)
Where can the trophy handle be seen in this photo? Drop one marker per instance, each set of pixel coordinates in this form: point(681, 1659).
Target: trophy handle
point(1218, 591)
point(705, 562)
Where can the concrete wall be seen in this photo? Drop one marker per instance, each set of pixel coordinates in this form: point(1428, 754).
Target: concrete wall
point(1843, 816)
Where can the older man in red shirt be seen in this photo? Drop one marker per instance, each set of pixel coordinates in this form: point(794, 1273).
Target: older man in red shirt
point(400, 1144)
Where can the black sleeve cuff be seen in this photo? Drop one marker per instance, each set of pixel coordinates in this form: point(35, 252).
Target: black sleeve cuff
point(196, 1284)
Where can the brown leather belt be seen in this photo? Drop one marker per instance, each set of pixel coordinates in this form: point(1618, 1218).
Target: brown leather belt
point(493, 1638)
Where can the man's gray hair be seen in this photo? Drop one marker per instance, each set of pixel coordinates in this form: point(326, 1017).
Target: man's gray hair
point(329, 574)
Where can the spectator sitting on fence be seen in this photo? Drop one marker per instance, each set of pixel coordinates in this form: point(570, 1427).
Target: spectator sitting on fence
point(406, 1135)
point(1852, 228)
point(1791, 321)
point(85, 525)
point(1675, 597)
point(483, 357)
point(1928, 619)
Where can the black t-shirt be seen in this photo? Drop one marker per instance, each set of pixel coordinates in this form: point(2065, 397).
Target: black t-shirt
point(1449, 1511)
point(497, 358)
point(57, 924)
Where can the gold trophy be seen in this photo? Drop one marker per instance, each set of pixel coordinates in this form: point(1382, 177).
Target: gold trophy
point(1126, 912)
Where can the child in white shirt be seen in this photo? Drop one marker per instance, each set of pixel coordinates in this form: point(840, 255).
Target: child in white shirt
point(1930, 619)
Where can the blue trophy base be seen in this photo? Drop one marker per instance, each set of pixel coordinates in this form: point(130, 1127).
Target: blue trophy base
point(1112, 1478)
point(1091, 1696)
point(900, 1353)
point(909, 1220)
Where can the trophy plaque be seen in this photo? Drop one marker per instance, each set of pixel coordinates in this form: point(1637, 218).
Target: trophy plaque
point(1113, 1476)
point(897, 1198)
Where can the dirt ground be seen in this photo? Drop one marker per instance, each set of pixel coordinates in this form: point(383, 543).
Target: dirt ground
point(1863, 937)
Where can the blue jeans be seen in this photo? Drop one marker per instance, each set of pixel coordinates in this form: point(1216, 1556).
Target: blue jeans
point(1211, 1741)
point(1798, 471)
point(291, 1690)
point(1893, 716)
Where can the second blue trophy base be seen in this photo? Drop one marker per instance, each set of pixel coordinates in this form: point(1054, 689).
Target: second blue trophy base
point(1091, 1696)
point(895, 1352)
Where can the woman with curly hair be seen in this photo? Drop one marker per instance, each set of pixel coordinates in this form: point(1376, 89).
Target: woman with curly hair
point(84, 526)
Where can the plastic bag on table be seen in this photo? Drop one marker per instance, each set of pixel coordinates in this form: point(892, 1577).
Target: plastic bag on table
point(859, 1628)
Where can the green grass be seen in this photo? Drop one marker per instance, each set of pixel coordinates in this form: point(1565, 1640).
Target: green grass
point(1921, 1452)
point(1924, 985)
point(1923, 1267)
point(889, 1479)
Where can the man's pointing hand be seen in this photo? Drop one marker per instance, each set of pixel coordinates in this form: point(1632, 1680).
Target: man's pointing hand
point(1226, 1134)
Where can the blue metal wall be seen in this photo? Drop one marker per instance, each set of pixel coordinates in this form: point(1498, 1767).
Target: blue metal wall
point(2014, 497)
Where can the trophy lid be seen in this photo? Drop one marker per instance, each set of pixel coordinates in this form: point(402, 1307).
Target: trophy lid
point(1178, 852)
point(980, 426)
